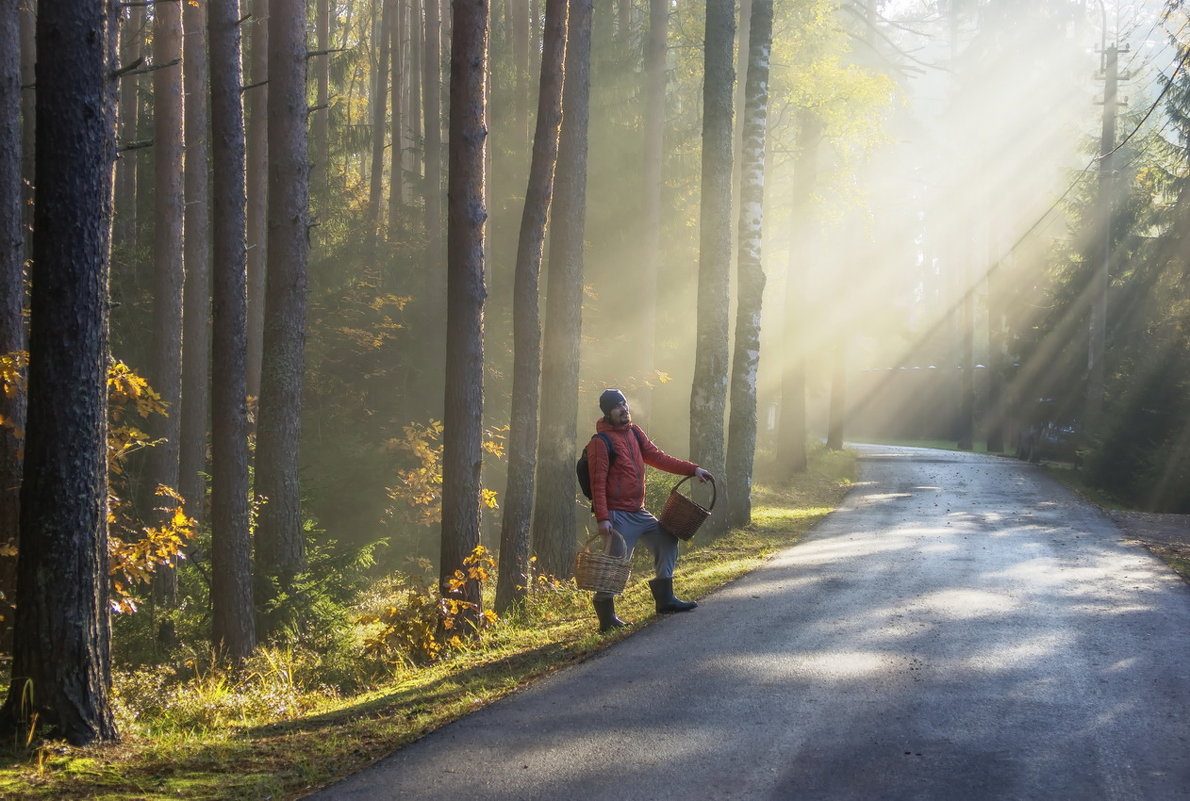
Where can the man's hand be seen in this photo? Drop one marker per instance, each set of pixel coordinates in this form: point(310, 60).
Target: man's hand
point(703, 476)
point(605, 527)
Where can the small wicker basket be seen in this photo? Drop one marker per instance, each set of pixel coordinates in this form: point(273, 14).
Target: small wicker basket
point(682, 516)
point(603, 572)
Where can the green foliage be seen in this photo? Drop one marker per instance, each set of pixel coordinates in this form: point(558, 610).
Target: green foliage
point(420, 624)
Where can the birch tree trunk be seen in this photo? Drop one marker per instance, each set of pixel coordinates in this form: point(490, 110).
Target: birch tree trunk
point(61, 668)
point(467, 214)
point(553, 519)
point(708, 395)
point(396, 141)
point(515, 541)
point(741, 445)
point(233, 615)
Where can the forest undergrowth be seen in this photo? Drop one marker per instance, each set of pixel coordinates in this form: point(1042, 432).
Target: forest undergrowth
point(294, 719)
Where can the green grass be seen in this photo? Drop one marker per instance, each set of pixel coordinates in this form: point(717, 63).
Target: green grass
point(258, 734)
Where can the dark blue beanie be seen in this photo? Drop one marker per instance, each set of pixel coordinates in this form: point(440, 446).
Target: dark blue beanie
point(610, 399)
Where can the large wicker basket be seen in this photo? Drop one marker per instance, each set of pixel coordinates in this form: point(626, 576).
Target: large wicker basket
point(603, 572)
point(682, 516)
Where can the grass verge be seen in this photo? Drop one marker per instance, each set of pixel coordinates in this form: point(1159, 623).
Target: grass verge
point(316, 736)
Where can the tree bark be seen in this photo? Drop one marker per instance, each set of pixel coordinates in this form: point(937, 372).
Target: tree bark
point(169, 208)
point(467, 213)
point(196, 335)
point(651, 220)
point(791, 426)
point(434, 279)
point(708, 395)
point(132, 40)
point(61, 669)
point(379, 107)
point(12, 304)
point(396, 141)
point(234, 630)
point(515, 541)
point(553, 519)
point(320, 138)
point(838, 403)
point(741, 445)
point(280, 546)
point(257, 165)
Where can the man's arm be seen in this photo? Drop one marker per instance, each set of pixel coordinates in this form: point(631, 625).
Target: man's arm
point(658, 458)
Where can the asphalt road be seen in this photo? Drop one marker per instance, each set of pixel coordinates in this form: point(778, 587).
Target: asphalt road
point(962, 629)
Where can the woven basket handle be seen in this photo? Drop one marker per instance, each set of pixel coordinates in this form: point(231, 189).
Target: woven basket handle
point(714, 489)
point(608, 549)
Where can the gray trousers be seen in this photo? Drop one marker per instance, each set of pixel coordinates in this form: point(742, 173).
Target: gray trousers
point(643, 527)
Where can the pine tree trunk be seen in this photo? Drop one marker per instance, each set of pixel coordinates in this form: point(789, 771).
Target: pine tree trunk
point(467, 213)
point(708, 395)
point(61, 665)
point(838, 402)
point(320, 144)
point(434, 278)
point(553, 519)
point(12, 304)
point(280, 546)
point(233, 619)
point(741, 446)
point(791, 426)
point(132, 40)
point(169, 208)
point(257, 109)
point(379, 108)
point(652, 221)
point(396, 139)
point(526, 365)
point(196, 337)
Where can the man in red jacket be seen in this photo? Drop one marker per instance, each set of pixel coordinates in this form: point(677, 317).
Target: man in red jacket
point(618, 501)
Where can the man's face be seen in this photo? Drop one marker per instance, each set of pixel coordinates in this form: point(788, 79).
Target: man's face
point(619, 415)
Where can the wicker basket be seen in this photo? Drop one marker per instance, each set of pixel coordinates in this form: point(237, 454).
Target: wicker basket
point(603, 572)
point(682, 516)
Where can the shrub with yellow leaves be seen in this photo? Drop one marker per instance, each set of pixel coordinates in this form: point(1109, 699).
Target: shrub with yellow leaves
point(421, 624)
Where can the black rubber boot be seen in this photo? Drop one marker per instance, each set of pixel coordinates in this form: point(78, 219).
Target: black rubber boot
point(663, 594)
point(605, 608)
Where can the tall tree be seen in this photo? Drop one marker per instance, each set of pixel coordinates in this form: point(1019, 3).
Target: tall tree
point(196, 314)
point(280, 547)
point(741, 444)
point(231, 569)
point(132, 40)
point(379, 108)
point(553, 519)
point(515, 541)
point(708, 395)
point(651, 221)
point(61, 668)
point(791, 435)
point(467, 214)
point(396, 180)
point(169, 206)
point(257, 166)
point(12, 304)
point(434, 279)
point(320, 137)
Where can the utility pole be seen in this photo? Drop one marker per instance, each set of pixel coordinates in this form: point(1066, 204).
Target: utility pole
point(1103, 244)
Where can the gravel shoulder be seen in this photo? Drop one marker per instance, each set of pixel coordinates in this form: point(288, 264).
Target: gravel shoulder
point(1165, 535)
